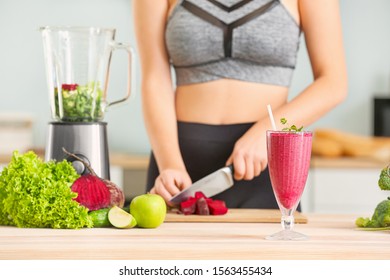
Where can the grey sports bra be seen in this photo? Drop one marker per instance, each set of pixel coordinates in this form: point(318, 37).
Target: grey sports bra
point(248, 40)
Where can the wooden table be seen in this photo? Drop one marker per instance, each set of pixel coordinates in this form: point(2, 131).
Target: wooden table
point(332, 237)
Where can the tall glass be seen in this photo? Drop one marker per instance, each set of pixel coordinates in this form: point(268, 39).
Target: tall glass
point(288, 163)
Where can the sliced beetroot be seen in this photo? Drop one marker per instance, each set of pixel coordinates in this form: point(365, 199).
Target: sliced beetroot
point(217, 207)
point(199, 195)
point(188, 206)
point(69, 87)
point(201, 207)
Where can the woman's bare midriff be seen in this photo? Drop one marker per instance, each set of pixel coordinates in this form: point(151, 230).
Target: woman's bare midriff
point(227, 101)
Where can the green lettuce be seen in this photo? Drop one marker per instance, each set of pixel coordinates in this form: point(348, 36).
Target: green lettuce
point(37, 194)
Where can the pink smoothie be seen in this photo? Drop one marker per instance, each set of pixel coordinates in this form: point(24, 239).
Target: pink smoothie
point(288, 163)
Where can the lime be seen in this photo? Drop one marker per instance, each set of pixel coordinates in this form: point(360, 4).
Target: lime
point(119, 218)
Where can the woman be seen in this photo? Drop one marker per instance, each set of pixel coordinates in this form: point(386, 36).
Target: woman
point(231, 58)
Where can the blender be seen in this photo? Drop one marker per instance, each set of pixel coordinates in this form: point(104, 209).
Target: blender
point(77, 61)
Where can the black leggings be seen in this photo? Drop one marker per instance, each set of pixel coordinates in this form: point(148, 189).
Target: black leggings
point(206, 148)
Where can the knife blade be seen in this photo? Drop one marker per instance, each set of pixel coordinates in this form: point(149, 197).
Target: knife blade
point(212, 184)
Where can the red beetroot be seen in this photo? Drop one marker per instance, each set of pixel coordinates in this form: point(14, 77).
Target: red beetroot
point(96, 193)
point(199, 195)
point(69, 87)
point(217, 207)
point(91, 192)
point(188, 206)
point(202, 205)
point(116, 194)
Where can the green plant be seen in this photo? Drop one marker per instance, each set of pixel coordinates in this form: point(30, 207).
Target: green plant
point(292, 128)
point(37, 194)
point(384, 179)
point(380, 220)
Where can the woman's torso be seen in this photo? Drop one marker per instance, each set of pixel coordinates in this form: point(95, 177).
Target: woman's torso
point(227, 101)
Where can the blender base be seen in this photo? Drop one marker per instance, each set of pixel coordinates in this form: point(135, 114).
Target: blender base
point(88, 140)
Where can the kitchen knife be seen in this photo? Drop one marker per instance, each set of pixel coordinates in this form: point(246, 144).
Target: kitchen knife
point(210, 185)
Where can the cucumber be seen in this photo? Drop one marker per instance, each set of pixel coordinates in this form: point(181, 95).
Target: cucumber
point(100, 217)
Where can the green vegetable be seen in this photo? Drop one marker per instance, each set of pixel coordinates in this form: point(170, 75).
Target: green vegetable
point(37, 194)
point(100, 217)
point(384, 179)
point(79, 103)
point(380, 218)
point(292, 128)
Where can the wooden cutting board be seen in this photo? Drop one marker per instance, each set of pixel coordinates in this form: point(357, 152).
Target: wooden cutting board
point(235, 216)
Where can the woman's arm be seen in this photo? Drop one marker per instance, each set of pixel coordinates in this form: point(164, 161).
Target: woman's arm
point(158, 95)
point(321, 24)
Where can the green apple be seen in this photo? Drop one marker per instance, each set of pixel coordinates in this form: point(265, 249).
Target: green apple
point(149, 210)
point(119, 218)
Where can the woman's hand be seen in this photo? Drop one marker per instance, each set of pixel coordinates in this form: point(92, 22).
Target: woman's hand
point(249, 156)
point(170, 182)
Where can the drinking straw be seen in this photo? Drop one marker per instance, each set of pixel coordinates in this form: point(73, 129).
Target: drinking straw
point(271, 116)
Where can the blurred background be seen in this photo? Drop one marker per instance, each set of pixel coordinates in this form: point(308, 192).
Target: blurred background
point(23, 80)
point(24, 95)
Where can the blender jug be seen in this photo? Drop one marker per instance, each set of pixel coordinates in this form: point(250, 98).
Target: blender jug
point(77, 68)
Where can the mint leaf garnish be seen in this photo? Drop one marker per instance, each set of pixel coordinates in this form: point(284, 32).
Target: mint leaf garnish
point(292, 128)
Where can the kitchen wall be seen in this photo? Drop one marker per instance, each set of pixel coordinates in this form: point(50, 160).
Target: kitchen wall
point(23, 82)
